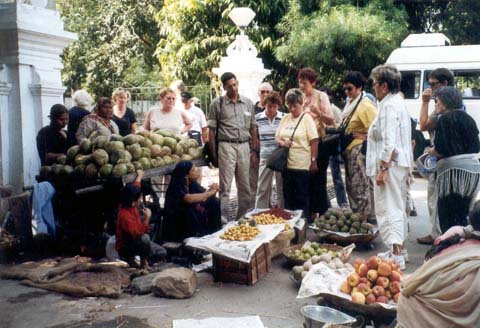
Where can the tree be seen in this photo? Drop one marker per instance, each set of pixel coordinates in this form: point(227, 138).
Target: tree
point(195, 35)
point(116, 45)
point(339, 38)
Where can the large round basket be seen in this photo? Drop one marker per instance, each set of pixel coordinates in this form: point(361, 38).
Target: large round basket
point(357, 239)
point(372, 312)
point(294, 261)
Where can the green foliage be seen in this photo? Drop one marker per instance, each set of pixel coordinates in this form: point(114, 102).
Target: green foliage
point(196, 33)
point(117, 40)
point(341, 38)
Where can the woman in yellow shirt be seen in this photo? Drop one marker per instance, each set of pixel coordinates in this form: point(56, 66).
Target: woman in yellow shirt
point(358, 184)
point(302, 156)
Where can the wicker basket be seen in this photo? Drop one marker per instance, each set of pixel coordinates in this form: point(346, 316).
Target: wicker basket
point(294, 261)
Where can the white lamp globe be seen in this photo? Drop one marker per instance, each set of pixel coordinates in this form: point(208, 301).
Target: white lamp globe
point(242, 16)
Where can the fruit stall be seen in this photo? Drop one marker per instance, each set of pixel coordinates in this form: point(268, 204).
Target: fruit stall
point(88, 179)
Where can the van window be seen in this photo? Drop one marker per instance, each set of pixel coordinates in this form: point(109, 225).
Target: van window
point(468, 83)
point(410, 85)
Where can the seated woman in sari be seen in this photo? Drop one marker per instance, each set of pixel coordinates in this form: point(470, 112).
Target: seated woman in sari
point(445, 290)
point(190, 210)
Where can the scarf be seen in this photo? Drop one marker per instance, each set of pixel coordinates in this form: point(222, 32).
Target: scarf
point(458, 175)
point(101, 120)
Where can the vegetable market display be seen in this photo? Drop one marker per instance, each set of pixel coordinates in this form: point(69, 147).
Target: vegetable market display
point(343, 220)
point(374, 280)
point(100, 156)
point(241, 232)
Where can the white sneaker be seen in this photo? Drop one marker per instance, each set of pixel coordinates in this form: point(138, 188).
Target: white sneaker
point(400, 259)
point(385, 255)
point(405, 255)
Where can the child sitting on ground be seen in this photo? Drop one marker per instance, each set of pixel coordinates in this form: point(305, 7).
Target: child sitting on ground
point(132, 237)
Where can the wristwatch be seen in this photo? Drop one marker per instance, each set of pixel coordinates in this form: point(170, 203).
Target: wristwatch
point(313, 159)
point(383, 168)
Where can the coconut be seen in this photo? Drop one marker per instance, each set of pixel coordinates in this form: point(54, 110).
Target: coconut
point(154, 162)
point(145, 163)
point(146, 152)
point(166, 151)
point(170, 142)
point(91, 171)
point(186, 157)
point(82, 159)
point(195, 152)
point(94, 134)
point(130, 139)
point(192, 143)
point(168, 159)
point(160, 162)
point(111, 146)
point(144, 133)
point(62, 159)
point(135, 150)
point(137, 165)
point(85, 146)
point(165, 133)
point(130, 167)
point(72, 152)
point(156, 151)
point(79, 170)
point(100, 157)
point(106, 170)
point(119, 170)
point(118, 155)
point(45, 171)
point(145, 142)
point(66, 170)
point(156, 139)
point(100, 142)
point(116, 137)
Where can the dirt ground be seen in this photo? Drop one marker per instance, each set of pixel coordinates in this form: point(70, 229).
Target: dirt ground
point(273, 298)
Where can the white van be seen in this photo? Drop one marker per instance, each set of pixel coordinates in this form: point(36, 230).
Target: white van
point(419, 54)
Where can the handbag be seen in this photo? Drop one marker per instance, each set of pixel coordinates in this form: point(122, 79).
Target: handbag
point(277, 161)
point(335, 140)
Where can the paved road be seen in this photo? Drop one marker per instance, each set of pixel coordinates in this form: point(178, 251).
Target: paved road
point(273, 298)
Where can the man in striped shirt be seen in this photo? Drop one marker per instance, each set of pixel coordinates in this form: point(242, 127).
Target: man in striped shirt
point(267, 124)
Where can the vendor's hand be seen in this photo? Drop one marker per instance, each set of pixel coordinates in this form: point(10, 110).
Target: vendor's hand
point(148, 214)
point(214, 187)
point(140, 175)
point(455, 230)
point(427, 95)
point(361, 136)
point(313, 167)
point(381, 178)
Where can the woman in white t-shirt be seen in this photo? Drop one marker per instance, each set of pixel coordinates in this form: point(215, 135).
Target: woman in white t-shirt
point(198, 131)
point(167, 116)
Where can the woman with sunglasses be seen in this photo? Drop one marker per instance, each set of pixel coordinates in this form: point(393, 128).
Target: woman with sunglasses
point(360, 113)
point(167, 116)
point(458, 170)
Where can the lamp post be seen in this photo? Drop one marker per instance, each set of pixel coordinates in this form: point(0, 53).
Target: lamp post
point(242, 57)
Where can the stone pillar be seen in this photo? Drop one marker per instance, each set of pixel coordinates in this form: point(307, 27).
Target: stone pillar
point(32, 39)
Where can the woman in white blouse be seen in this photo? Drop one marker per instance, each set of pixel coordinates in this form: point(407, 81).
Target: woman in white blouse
point(390, 160)
point(167, 116)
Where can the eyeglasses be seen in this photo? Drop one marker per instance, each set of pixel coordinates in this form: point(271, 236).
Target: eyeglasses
point(433, 84)
point(347, 89)
point(264, 91)
point(170, 98)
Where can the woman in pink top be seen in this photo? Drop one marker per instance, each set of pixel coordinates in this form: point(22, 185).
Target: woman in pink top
point(318, 106)
point(167, 116)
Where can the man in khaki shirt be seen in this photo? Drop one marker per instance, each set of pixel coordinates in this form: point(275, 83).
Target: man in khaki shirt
point(233, 116)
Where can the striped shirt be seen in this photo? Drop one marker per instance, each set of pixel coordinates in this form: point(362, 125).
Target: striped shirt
point(266, 132)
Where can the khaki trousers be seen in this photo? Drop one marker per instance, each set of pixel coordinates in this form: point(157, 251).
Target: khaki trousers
point(254, 169)
point(234, 160)
point(264, 187)
point(432, 199)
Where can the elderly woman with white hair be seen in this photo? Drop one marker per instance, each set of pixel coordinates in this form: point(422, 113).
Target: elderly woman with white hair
point(81, 101)
point(390, 160)
point(123, 116)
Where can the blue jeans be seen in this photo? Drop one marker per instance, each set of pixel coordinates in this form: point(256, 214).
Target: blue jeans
point(338, 180)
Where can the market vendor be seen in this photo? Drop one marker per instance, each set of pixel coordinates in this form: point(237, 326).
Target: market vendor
point(190, 209)
point(100, 120)
point(52, 139)
point(132, 237)
point(445, 290)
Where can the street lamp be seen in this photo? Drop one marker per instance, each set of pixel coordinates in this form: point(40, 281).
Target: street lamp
point(242, 16)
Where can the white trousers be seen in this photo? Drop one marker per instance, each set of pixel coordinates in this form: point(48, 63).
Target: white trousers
point(390, 202)
point(264, 187)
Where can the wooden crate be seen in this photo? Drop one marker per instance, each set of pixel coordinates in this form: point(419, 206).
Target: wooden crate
point(229, 270)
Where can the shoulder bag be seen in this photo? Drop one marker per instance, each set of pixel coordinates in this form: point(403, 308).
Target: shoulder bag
point(336, 141)
point(277, 161)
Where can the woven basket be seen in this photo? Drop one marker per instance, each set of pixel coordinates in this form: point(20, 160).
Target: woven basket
point(294, 261)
